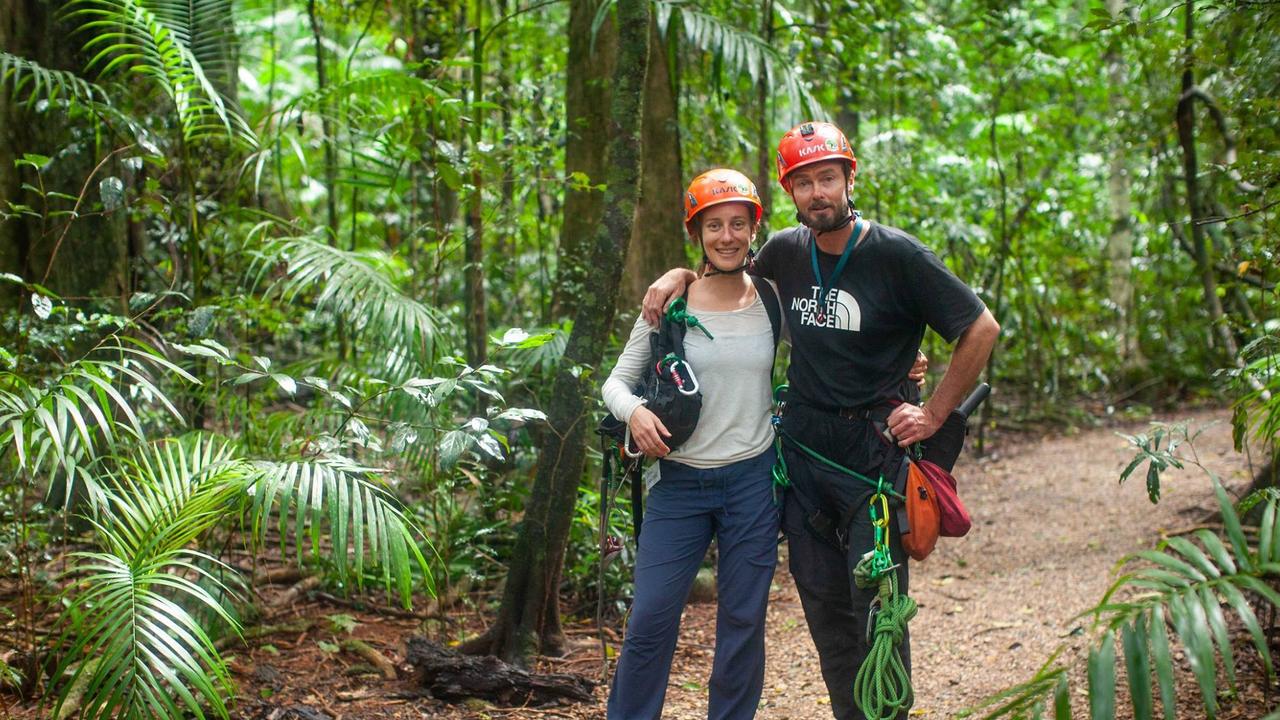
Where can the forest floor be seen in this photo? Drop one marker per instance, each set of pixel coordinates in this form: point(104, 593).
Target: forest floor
point(1050, 523)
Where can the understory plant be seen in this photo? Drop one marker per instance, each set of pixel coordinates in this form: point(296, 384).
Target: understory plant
point(1179, 593)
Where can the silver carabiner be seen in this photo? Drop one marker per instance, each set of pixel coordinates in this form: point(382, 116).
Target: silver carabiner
point(626, 444)
point(693, 379)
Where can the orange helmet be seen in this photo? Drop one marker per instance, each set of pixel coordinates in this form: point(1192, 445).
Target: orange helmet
point(719, 186)
point(812, 142)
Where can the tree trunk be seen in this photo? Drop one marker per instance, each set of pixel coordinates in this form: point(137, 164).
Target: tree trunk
point(477, 330)
point(90, 257)
point(1195, 203)
point(586, 106)
point(658, 235)
point(764, 139)
point(1120, 238)
point(529, 618)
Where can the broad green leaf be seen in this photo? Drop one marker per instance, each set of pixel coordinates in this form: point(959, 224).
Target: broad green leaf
point(1137, 666)
point(1102, 679)
point(1162, 661)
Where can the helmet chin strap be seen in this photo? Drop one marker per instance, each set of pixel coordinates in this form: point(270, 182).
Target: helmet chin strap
point(844, 223)
point(706, 262)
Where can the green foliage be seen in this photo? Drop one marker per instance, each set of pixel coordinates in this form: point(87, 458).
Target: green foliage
point(333, 494)
point(180, 46)
point(30, 82)
point(1256, 387)
point(134, 646)
point(353, 289)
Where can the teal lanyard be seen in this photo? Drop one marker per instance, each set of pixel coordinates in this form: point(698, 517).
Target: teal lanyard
point(825, 286)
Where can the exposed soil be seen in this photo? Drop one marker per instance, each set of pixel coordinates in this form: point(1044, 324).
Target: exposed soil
point(1050, 522)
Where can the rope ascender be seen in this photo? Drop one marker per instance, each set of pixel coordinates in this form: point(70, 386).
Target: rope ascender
point(882, 688)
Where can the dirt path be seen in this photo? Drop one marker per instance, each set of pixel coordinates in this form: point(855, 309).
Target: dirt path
point(1049, 524)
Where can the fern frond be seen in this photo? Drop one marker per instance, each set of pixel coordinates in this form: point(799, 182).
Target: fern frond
point(361, 515)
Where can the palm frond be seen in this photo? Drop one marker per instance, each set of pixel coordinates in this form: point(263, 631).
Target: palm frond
point(85, 412)
point(739, 51)
point(379, 99)
point(142, 651)
point(29, 81)
point(350, 286)
point(361, 515)
point(197, 477)
point(1025, 699)
point(138, 648)
point(732, 49)
point(182, 47)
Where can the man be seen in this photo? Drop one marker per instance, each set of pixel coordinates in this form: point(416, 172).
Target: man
point(857, 297)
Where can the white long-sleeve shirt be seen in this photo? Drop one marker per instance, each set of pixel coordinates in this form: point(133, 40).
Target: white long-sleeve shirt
point(733, 372)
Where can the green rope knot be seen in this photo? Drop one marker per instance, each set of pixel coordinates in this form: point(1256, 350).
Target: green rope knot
point(677, 312)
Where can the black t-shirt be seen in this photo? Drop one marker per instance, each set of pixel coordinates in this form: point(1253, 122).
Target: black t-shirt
point(854, 349)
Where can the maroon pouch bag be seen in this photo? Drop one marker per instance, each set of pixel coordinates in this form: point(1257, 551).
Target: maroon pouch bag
point(953, 518)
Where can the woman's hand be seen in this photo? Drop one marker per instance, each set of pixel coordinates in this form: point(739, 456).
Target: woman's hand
point(647, 432)
point(918, 369)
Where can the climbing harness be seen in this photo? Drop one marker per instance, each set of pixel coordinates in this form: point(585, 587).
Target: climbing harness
point(882, 687)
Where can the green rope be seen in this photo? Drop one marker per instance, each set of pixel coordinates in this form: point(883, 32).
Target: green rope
point(677, 312)
point(882, 688)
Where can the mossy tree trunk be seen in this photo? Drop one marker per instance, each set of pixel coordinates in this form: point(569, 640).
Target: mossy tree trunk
point(658, 237)
point(528, 620)
point(586, 107)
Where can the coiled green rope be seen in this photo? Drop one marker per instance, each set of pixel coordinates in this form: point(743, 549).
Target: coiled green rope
point(882, 688)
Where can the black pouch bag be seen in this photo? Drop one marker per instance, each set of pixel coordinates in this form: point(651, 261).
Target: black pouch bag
point(668, 387)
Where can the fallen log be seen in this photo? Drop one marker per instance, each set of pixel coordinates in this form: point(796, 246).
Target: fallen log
point(452, 676)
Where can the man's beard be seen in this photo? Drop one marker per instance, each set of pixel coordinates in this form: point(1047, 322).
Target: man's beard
point(821, 225)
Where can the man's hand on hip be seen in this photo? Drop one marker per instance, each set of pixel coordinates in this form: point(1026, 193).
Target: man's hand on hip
point(912, 423)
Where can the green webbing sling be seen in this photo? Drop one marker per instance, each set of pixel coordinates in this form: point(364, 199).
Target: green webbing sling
point(780, 478)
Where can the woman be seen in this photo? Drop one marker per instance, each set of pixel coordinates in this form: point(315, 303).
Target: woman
point(718, 482)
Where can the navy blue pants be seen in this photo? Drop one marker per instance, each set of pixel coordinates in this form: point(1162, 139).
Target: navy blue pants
point(684, 511)
point(834, 607)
